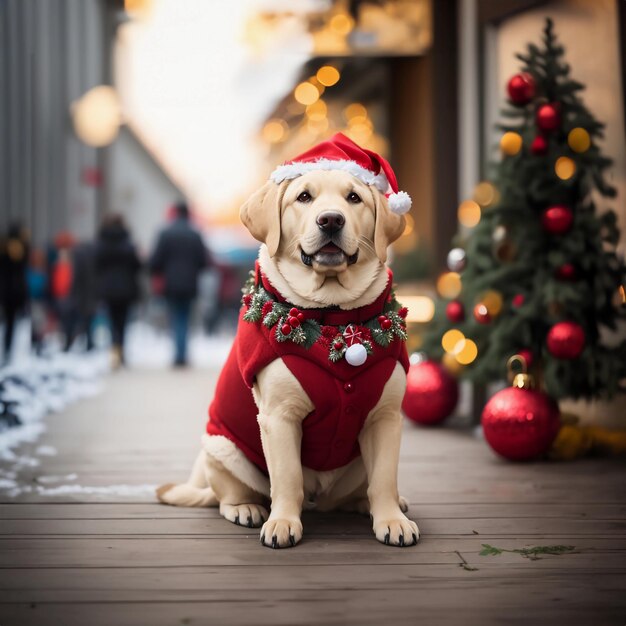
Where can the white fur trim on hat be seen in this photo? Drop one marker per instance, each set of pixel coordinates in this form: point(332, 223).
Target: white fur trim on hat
point(235, 461)
point(299, 168)
point(399, 202)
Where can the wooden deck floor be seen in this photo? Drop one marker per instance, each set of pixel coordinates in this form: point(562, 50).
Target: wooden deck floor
point(105, 559)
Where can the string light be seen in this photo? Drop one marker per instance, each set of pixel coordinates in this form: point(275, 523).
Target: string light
point(274, 131)
point(421, 308)
point(306, 93)
point(485, 194)
point(468, 352)
point(469, 213)
point(341, 24)
point(565, 168)
point(317, 110)
point(578, 140)
point(328, 75)
point(449, 285)
point(452, 340)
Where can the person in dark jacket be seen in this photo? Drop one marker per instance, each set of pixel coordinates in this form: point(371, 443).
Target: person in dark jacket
point(117, 266)
point(14, 252)
point(178, 258)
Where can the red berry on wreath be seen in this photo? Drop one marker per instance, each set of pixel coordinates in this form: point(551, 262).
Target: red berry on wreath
point(521, 88)
point(539, 145)
point(557, 219)
point(385, 324)
point(300, 316)
point(548, 117)
point(285, 329)
point(455, 311)
point(381, 318)
point(247, 299)
point(338, 345)
point(293, 311)
point(403, 312)
point(294, 322)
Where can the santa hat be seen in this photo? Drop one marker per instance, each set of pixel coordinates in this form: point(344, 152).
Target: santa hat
point(341, 153)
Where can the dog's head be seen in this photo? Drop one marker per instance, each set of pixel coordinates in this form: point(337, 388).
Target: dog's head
point(324, 230)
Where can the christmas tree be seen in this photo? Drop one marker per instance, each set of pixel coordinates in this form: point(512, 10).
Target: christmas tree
point(538, 274)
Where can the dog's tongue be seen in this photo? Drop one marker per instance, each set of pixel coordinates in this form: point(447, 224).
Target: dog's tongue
point(330, 248)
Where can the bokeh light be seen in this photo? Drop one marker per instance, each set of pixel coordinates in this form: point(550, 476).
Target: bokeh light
point(578, 140)
point(492, 300)
point(306, 93)
point(469, 213)
point(317, 110)
point(328, 75)
point(511, 143)
point(97, 116)
point(341, 24)
point(565, 168)
point(449, 285)
point(274, 131)
point(485, 194)
point(468, 352)
point(452, 340)
point(421, 308)
point(355, 112)
point(451, 364)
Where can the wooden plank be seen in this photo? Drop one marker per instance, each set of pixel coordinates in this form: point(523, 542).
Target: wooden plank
point(320, 526)
point(181, 551)
point(422, 511)
point(574, 600)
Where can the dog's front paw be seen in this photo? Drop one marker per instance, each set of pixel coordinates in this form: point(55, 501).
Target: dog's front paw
point(397, 532)
point(250, 515)
point(281, 533)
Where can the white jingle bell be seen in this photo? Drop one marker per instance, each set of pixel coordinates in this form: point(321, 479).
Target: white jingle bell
point(356, 354)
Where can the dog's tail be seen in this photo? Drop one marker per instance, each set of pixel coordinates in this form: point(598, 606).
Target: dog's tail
point(195, 492)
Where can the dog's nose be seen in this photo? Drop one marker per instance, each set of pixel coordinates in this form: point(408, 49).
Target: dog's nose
point(330, 221)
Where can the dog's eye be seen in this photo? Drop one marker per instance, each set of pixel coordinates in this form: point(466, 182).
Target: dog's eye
point(353, 197)
point(305, 197)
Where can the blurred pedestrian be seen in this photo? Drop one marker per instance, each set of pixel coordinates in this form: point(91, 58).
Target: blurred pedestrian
point(117, 267)
point(84, 292)
point(13, 286)
point(37, 279)
point(179, 257)
point(61, 279)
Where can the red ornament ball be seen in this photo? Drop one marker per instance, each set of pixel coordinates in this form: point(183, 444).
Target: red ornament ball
point(527, 355)
point(294, 322)
point(520, 424)
point(548, 117)
point(521, 88)
point(385, 324)
point(285, 329)
point(539, 145)
point(481, 314)
point(566, 340)
point(518, 299)
point(431, 393)
point(567, 271)
point(557, 219)
point(455, 311)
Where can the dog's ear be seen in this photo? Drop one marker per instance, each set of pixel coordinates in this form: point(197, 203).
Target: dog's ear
point(260, 214)
point(389, 226)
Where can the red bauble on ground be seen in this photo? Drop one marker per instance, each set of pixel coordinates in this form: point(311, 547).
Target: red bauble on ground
point(520, 424)
point(455, 311)
point(481, 314)
point(567, 271)
point(521, 88)
point(431, 393)
point(566, 340)
point(557, 219)
point(548, 117)
point(539, 145)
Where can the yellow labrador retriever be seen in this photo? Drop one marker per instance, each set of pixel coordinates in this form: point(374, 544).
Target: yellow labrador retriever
point(325, 235)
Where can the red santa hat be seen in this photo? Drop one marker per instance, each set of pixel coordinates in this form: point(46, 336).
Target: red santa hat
point(341, 153)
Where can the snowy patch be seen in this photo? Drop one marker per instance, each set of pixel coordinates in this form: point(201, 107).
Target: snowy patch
point(46, 451)
point(47, 480)
point(13, 490)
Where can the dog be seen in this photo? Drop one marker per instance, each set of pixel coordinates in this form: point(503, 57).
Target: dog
point(278, 429)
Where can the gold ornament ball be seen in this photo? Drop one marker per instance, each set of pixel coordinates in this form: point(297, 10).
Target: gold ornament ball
point(565, 168)
point(578, 140)
point(511, 143)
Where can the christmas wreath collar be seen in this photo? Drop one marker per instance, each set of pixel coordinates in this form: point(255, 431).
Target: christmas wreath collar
point(347, 334)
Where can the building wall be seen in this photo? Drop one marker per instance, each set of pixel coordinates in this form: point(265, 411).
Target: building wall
point(51, 52)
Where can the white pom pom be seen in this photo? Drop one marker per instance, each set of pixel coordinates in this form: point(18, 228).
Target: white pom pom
point(399, 202)
point(356, 354)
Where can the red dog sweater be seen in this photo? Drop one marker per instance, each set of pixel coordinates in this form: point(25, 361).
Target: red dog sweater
point(317, 345)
